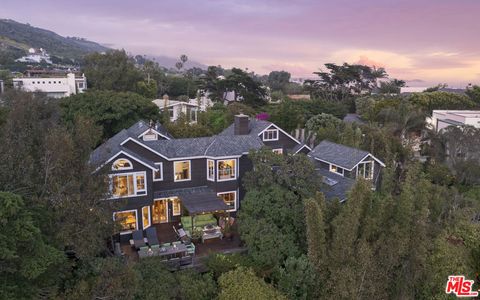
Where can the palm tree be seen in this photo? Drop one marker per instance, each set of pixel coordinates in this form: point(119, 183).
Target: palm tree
point(403, 120)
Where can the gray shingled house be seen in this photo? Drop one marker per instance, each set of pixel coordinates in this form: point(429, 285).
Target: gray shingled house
point(341, 165)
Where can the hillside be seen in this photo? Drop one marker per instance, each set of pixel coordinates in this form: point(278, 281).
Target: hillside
point(16, 38)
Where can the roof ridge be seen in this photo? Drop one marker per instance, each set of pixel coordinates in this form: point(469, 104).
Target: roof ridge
point(211, 143)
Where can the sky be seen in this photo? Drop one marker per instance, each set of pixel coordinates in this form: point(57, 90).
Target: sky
point(425, 42)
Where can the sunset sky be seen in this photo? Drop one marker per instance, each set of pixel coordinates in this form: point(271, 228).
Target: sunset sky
point(423, 41)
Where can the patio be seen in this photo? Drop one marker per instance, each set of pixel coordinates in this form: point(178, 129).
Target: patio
point(166, 234)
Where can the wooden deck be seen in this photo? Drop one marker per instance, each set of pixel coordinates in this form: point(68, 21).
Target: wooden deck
point(166, 234)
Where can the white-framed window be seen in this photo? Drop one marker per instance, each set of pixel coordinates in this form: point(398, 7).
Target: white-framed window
point(365, 169)
point(127, 220)
point(270, 135)
point(230, 199)
point(278, 151)
point(176, 207)
point(158, 173)
point(336, 169)
point(128, 184)
point(226, 169)
point(146, 217)
point(122, 164)
point(182, 170)
point(210, 169)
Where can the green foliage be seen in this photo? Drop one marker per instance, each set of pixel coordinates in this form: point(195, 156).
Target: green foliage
point(297, 279)
point(111, 110)
point(278, 80)
point(273, 208)
point(147, 89)
point(181, 128)
point(441, 100)
point(440, 174)
point(323, 120)
point(474, 94)
point(391, 87)
point(316, 237)
point(223, 263)
point(243, 284)
point(178, 86)
point(26, 258)
point(114, 71)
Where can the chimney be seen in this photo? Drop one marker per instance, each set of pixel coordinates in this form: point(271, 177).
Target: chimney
point(241, 125)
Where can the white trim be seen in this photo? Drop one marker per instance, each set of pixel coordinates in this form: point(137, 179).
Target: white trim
point(149, 217)
point(171, 199)
point(161, 172)
point(122, 169)
point(234, 202)
point(372, 169)
point(143, 145)
point(269, 131)
point(235, 170)
point(154, 130)
point(376, 159)
point(208, 170)
point(335, 172)
point(126, 154)
point(283, 131)
point(324, 161)
point(189, 170)
point(135, 190)
point(136, 220)
point(310, 149)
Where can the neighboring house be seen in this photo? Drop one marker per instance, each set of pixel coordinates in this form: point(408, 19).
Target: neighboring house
point(176, 108)
point(53, 86)
point(159, 179)
point(35, 56)
point(340, 165)
point(443, 118)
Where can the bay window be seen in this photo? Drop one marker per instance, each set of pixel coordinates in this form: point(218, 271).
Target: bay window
point(365, 170)
point(128, 184)
point(226, 169)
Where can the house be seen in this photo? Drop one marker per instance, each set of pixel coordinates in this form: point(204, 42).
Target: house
point(53, 86)
point(160, 179)
point(341, 165)
point(176, 108)
point(443, 118)
point(35, 56)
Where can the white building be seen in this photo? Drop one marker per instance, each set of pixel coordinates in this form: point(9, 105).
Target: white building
point(35, 56)
point(56, 87)
point(175, 108)
point(443, 118)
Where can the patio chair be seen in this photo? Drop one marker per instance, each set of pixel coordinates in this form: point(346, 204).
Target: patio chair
point(191, 249)
point(138, 240)
point(152, 236)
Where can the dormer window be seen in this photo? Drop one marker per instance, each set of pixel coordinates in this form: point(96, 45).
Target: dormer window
point(270, 135)
point(122, 164)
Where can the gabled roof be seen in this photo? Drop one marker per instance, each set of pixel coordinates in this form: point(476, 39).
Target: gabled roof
point(214, 146)
point(299, 147)
point(141, 126)
point(340, 155)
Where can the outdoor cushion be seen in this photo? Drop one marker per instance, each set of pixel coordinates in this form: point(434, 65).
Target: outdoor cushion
point(186, 222)
point(202, 220)
point(152, 236)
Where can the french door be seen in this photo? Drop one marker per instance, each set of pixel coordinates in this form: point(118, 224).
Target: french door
point(160, 211)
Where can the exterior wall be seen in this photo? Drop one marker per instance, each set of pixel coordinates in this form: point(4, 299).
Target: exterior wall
point(53, 86)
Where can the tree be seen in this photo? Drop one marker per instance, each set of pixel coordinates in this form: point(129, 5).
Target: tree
point(278, 80)
point(244, 284)
point(403, 120)
point(316, 239)
point(114, 71)
point(428, 101)
point(111, 110)
point(26, 260)
point(246, 88)
point(474, 94)
point(323, 120)
point(391, 87)
point(297, 279)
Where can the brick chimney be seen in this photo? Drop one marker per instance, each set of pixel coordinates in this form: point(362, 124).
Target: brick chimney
point(241, 125)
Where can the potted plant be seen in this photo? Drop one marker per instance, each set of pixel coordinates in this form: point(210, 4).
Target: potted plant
point(196, 234)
